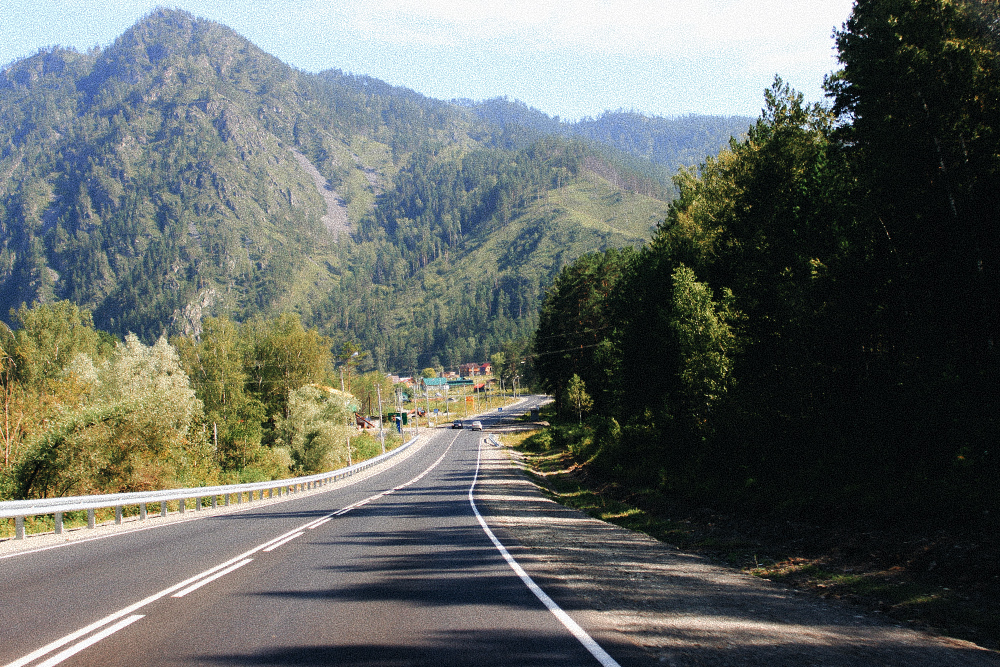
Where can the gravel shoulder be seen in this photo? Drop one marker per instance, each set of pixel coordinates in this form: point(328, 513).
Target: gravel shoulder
point(683, 609)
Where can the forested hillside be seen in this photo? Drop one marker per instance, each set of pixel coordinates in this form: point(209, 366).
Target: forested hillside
point(656, 147)
point(813, 329)
point(183, 173)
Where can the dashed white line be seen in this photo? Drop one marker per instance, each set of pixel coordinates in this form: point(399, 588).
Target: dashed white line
point(284, 541)
point(220, 573)
point(188, 585)
point(90, 641)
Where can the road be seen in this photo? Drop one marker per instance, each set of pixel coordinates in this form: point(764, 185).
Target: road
point(393, 569)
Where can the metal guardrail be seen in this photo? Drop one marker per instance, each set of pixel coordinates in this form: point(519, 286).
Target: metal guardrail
point(20, 509)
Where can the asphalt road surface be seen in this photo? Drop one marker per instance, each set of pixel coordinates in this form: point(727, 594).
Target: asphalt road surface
point(393, 569)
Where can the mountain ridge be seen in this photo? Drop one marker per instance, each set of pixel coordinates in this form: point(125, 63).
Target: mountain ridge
point(183, 172)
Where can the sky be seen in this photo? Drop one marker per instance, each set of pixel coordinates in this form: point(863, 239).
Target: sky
point(568, 58)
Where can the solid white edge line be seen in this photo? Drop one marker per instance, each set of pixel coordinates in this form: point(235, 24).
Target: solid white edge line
point(319, 523)
point(588, 642)
point(208, 580)
point(90, 641)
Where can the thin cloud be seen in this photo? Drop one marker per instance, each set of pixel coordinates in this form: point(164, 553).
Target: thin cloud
point(653, 28)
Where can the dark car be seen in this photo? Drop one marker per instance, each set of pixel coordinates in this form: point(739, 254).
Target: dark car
point(457, 424)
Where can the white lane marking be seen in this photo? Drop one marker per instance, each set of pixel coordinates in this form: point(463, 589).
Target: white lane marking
point(369, 499)
point(73, 636)
point(317, 524)
point(90, 641)
point(588, 642)
point(220, 573)
point(284, 541)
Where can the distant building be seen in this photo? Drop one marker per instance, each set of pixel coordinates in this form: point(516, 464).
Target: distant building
point(469, 370)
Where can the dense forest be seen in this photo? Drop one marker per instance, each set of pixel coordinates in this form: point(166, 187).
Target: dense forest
point(182, 173)
point(813, 328)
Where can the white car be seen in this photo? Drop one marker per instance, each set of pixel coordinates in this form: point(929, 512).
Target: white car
point(477, 426)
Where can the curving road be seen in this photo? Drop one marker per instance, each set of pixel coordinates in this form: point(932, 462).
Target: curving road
point(393, 569)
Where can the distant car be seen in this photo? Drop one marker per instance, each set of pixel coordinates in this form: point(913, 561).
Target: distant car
point(457, 424)
point(477, 426)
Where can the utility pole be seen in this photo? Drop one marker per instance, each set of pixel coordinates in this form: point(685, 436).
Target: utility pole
point(350, 425)
point(381, 416)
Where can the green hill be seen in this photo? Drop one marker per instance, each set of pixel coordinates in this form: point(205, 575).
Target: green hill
point(182, 172)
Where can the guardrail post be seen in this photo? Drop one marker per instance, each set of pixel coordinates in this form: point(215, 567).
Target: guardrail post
point(57, 517)
point(215, 502)
point(19, 527)
point(118, 515)
point(239, 498)
point(181, 506)
point(227, 500)
point(270, 493)
point(163, 508)
point(91, 520)
point(142, 511)
point(197, 504)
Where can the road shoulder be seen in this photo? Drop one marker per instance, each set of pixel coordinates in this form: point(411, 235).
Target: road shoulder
point(682, 608)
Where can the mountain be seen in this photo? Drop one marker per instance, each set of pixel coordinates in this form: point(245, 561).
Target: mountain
point(182, 172)
point(657, 146)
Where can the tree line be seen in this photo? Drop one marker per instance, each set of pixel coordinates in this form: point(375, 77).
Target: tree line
point(813, 328)
point(85, 412)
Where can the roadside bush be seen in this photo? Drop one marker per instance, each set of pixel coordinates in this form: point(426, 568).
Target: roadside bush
point(316, 429)
point(130, 432)
point(364, 447)
point(538, 442)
